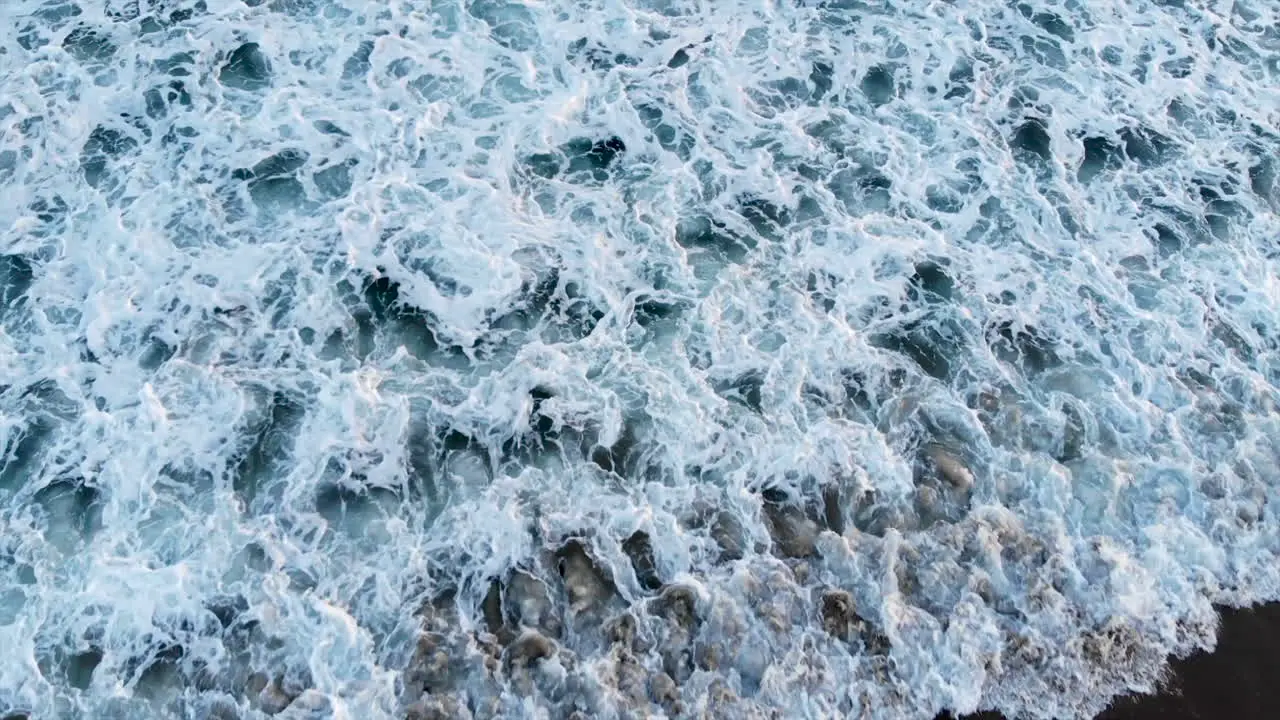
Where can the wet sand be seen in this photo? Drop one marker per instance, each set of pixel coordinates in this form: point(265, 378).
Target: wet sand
point(1240, 680)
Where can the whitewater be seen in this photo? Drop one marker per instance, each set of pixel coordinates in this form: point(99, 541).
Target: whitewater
point(631, 358)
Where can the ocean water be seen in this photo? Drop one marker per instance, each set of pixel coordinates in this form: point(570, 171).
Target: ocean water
point(628, 358)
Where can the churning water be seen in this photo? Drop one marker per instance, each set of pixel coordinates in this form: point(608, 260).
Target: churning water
point(617, 358)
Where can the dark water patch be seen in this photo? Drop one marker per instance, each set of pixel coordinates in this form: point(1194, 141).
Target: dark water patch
point(865, 393)
point(542, 424)
point(1100, 155)
point(384, 313)
point(1175, 229)
point(670, 134)
point(528, 600)
point(959, 79)
point(271, 447)
point(358, 64)
point(246, 68)
point(297, 8)
point(596, 56)
point(457, 453)
point(160, 100)
point(765, 217)
point(104, 147)
point(88, 46)
point(545, 434)
point(745, 389)
point(545, 165)
point(1181, 67)
point(943, 199)
point(1145, 146)
point(157, 672)
point(334, 182)
point(593, 156)
point(330, 128)
point(931, 283)
point(123, 10)
point(80, 666)
point(877, 85)
point(348, 505)
point(934, 344)
point(655, 310)
point(273, 184)
point(861, 190)
point(1167, 240)
point(277, 194)
point(435, 88)
point(185, 10)
point(1022, 345)
point(729, 535)
point(783, 94)
point(792, 530)
point(163, 14)
point(1221, 209)
point(16, 277)
point(1262, 180)
point(423, 463)
point(23, 452)
point(8, 164)
point(73, 511)
point(639, 548)
point(227, 609)
point(285, 162)
point(536, 299)
point(838, 612)
point(821, 79)
point(1046, 51)
point(578, 159)
point(51, 212)
point(382, 297)
point(1031, 141)
point(832, 498)
point(678, 624)
point(511, 25)
point(711, 237)
point(588, 586)
point(155, 353)
point(1049, 22)
point(177, 65)
point(821, 289)
point(625, 457)
point(571, 315)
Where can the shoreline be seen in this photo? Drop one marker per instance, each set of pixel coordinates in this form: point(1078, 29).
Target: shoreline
point(1238, 680)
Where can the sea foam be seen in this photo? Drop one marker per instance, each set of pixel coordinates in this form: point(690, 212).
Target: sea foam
point(609, 358)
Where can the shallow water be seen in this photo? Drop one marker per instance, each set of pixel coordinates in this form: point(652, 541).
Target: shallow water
point(434, 358)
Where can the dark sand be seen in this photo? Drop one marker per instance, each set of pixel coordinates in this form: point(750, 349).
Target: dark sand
point(1240, 680)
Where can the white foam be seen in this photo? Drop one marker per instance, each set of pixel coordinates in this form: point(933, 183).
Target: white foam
point(201, 401)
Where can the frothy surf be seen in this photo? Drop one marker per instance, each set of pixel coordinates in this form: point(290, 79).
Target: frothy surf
point(616, 358)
